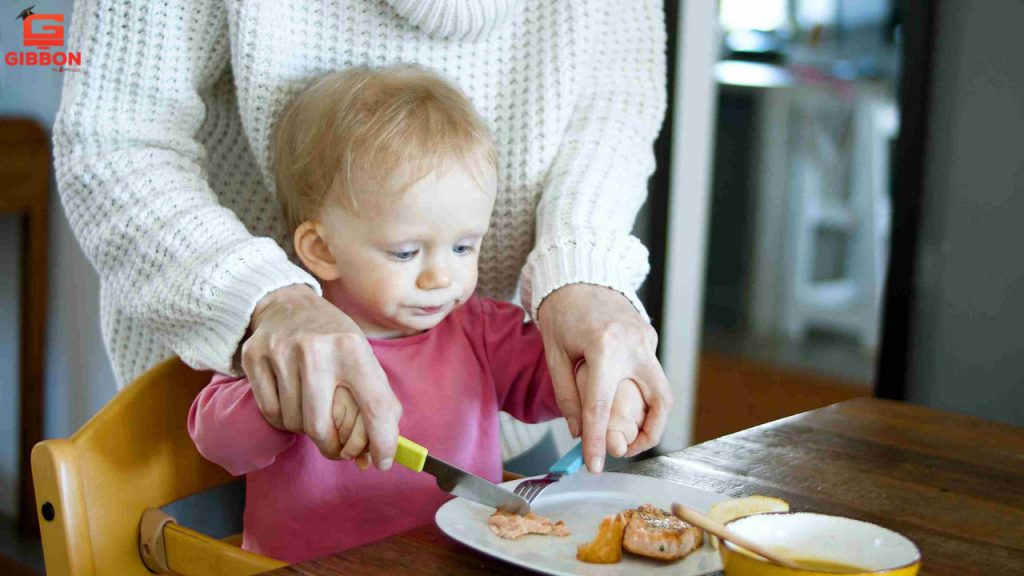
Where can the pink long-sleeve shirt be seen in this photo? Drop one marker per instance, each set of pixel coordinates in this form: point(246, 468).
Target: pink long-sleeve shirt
point(451, 380)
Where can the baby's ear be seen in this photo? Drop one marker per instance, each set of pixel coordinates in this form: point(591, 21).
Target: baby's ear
point(311, 247)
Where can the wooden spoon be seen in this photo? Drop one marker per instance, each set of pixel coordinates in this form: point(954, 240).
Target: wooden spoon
point(718, 529)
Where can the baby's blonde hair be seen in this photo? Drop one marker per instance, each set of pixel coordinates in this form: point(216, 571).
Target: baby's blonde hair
point(374, 131)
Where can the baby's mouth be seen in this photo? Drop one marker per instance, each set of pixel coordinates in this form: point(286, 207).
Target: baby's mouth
point(428, 310)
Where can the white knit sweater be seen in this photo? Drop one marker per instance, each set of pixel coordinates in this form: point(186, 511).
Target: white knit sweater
point(162, 151)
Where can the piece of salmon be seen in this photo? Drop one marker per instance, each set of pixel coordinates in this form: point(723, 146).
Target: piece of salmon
point(654, 533)
point(512, 526)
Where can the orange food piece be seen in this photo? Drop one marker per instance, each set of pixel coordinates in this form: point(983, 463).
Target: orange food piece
point(606, 547)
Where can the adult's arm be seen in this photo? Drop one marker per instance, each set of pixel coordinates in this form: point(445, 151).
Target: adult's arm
point(580, 280)
point(132, 177)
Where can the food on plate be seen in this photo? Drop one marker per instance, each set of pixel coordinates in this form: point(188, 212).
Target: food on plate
point(729, 510)
point(654, 533)
point(645, 531)
point(606, 548)
point(512, 526)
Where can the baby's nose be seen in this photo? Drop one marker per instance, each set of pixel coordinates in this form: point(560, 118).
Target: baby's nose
point(434, 277)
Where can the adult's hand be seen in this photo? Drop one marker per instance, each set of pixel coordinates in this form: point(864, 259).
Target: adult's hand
point(600, 325)
point(301, 349)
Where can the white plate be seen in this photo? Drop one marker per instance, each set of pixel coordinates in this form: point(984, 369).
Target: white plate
point(581, 500)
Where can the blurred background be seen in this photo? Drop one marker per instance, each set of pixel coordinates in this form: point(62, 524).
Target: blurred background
point(800, 207)
point(835, 214)
point(866, 181)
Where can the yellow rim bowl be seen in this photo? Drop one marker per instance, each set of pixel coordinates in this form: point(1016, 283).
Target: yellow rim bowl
point(803, 536)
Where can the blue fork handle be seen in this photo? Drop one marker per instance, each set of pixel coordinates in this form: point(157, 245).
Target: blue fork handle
point(569, 463)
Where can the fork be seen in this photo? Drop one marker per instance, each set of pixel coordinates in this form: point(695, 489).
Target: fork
point(571, 462)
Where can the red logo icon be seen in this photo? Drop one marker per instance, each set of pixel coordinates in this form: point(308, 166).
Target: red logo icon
point(47, 35)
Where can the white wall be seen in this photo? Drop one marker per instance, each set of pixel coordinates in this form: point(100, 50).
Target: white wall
point(79, 379)
point(689, 191)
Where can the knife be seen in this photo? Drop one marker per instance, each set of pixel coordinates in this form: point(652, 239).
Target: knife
point(457, 481)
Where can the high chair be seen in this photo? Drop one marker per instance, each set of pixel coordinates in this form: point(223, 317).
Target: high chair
point(98, 493)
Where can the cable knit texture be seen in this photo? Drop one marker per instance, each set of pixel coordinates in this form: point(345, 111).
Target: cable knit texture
point(455, 19)
point(162, 151)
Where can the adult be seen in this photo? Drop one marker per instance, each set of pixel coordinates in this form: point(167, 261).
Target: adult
point(162, 156)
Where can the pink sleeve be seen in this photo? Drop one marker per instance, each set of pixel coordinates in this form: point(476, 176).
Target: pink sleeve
point(229, 430)
point(515, 352)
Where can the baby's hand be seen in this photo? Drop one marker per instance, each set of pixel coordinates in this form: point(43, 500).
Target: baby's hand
point(351, 430)
point(626, 418)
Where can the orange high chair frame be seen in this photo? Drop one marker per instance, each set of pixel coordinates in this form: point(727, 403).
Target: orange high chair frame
point(98, 493)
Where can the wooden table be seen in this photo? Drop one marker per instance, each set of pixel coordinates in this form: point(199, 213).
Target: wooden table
point(951, 483)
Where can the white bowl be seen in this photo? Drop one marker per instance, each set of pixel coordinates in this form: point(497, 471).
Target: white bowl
point(870, 548)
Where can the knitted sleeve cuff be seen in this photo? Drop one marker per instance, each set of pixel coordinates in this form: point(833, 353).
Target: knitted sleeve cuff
point(618, 263)
point(230, 288)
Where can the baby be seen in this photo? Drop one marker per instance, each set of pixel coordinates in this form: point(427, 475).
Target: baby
point(388, 178)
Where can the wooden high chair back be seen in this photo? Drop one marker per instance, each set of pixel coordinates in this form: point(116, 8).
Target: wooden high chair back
point(97, 492)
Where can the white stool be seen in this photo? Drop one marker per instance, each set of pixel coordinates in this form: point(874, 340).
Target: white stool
point(839, 191)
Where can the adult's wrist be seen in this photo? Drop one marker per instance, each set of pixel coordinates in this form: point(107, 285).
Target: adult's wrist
point(614, 262)
point(570, 292)
point(291, 295)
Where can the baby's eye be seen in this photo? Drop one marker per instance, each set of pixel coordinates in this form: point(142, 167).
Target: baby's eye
point(404, 256)
point(462, 249)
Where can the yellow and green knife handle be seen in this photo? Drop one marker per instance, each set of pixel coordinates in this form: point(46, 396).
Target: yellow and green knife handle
point(410, 454)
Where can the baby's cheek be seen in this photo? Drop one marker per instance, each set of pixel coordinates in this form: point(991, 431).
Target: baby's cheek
point(384, 291)
point(390, 298)
point(471, 274)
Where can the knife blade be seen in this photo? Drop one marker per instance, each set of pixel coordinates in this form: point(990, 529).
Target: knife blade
point(457, 481)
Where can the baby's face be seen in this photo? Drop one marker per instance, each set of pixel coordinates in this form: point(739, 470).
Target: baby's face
point(404, 271)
